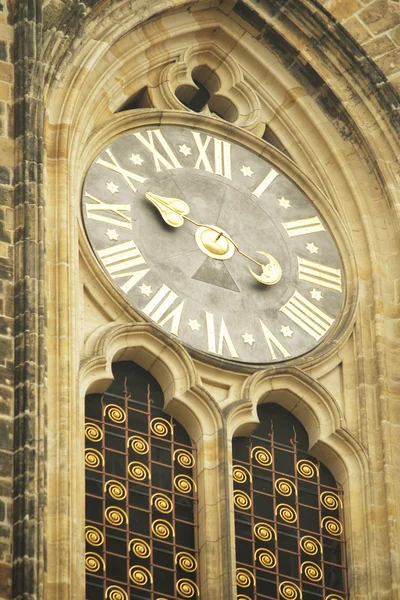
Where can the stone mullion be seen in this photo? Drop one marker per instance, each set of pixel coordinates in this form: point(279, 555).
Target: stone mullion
point(30, 359)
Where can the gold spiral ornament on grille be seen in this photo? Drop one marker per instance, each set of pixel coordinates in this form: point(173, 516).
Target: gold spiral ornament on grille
point(290, 591)
point(116, 489)
point(93, 536)
point(93, 458)
point(162, 529)
point(162, 503)
point(93, 432)
point(185, 484)
point(241, 500)
point(138, 471)
point(138, 444)
point(140, 548)
point(286, 513)
point(184, 458)
point(187, 588)
point(332, 525)
point(241, 474)
point(116, 516)
point(114, 592)
point(160, 427)
point(140, 575)
point(115, 413)
point(311, 571)
point(334, 597)
point(186, 561)
point(307, 469)
point(310, 544)
point(262, 456)
point(243, 597)
point(266, 557)
point(244, 577)
point(331, 501)
point(285, 487)
point(94, 562)
point(264, 531)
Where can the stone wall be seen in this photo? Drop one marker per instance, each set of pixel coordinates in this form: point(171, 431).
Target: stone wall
point(375, 24)
point(6, 298)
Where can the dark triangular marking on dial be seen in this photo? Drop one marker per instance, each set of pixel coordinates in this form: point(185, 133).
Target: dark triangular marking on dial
point(215, 272)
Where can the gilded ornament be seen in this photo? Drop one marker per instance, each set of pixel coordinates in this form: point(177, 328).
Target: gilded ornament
point(160, 427)
point(285, 487)
point(187, 588)
point(311, 571)
point(310, 544)
point(262, 456)
point(93, 458)
point(331, 501)
point(334, 597)
point(184, 458)
point(162, 529)
point(241, 500)
point(138, 444)
point(93, 432)
point(115, 413)
point(138, 471)
point(186, 561)
point(244, 577)
point(286, 513)
point(116, 489)
point(290, 591)
point(185, 484)
point(140, 575)
point(114, 592)
point(162, 503)
point(93, 535)
point(332, 525)
point(307, 469)
point(116, 516)
point(241, 474)
point(264, 531)
point(266, 557)
point(140, 548)
point(94, 562)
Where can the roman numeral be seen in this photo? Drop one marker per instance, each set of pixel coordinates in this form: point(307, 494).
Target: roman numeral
point(93, 211)
point(319, 274)
point(159, 305)
point(159, 159)
point(224, 337)
point(114, 166)
point(310, 318)
point(303, 226)
point(273, 343)
point(117, 259)
point(265, 183)
point(222, 156)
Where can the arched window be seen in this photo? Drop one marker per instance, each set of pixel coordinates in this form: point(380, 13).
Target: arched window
point(288, 515)
point(141, 497)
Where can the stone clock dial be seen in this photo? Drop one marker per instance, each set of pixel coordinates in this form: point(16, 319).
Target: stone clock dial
point(213, 244)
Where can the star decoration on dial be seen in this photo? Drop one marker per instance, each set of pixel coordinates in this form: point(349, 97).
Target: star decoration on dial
point(145, 289)
point(112, 187)
point(247, 172)
point(194, 324)
point(312, 248)
point(286, 331)
point(284, 203)
point(248, 338)
point(112, 234)
point(315, 295)
point(136, 159)
point(185, 149)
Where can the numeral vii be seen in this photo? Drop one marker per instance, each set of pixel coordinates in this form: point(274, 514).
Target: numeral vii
point(222, 155)
point(117, 259)
point(273, 344)
point(319, 274)
point(224, 337)
point(159, 305)
point(310, 318)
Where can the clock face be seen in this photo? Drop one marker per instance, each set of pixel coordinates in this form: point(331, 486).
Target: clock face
point(213, 244)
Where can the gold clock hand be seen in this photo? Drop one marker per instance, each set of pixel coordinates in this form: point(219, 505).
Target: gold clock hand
point(174, 211)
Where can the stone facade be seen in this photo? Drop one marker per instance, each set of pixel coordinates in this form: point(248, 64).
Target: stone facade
point(73, 75)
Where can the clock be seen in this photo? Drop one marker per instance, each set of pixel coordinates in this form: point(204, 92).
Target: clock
point(213, 244)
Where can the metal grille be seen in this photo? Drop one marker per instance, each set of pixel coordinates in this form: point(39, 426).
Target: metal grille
point(141, 496)
point(288, 516)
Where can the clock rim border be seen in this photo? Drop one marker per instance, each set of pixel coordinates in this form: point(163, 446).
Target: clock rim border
point(122, 123)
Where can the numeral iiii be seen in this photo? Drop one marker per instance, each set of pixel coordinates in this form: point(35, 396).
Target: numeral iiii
point(310, 318)
point(117, 259)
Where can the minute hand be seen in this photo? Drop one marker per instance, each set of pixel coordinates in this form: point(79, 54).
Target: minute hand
point(174, 211)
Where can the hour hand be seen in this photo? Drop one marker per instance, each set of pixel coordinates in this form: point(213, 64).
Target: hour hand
point(172, 210)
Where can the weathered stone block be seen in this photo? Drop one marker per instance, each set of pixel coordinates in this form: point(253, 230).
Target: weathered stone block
point(380, 16)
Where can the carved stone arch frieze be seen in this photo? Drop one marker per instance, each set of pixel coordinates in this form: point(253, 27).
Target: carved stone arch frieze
point(330, 442)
